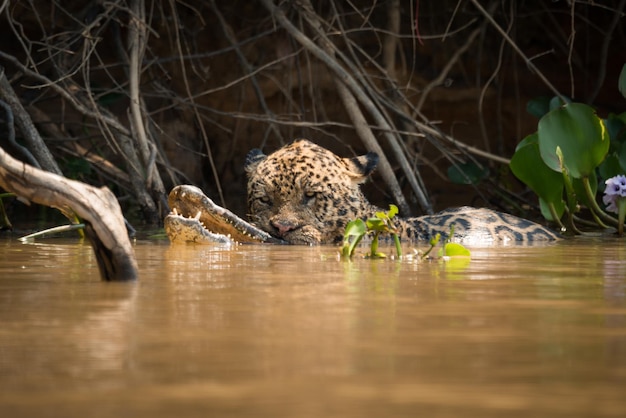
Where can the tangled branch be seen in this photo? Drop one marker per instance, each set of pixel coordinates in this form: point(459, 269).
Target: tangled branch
point(152, 93)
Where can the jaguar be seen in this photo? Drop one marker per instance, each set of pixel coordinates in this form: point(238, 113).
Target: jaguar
point(303, 193)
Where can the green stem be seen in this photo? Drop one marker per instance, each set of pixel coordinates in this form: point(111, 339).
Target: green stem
point(596, 218)
point(433, 243)
point(570, 194)
point(374, 247)
point(594, 205)
point(555, 216)
point(354, 244)
point(54, 230)
point(621, 214)
point(396, 241)
point(428, 251)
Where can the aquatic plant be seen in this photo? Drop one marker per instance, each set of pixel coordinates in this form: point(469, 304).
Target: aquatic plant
point(569, 155)
point(615, 199)
point(5, 223)
point(381, 223)
point(449, 248)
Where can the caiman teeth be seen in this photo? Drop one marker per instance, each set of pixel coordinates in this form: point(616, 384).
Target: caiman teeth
point(197, 217)
point(174, 211)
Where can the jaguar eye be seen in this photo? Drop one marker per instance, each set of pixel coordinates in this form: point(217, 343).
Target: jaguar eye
point(309, 196)
point(264, 200)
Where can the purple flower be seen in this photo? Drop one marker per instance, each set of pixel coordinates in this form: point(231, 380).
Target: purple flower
point(615, 189)
point(611, 202)
point(616, 186)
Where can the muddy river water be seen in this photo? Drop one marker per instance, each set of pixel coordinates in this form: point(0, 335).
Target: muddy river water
point(292, 331)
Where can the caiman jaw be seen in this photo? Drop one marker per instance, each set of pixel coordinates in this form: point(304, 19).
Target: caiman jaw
point(197, 218)
point(180, 228)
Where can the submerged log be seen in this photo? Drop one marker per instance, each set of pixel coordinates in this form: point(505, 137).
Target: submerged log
point(97, 207)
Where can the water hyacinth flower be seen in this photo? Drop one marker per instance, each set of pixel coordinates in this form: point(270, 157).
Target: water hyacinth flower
point(615, 199)
point(615, 189)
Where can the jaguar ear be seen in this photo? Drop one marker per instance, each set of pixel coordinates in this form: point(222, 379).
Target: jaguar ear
point(253, 159)
point(362, 166)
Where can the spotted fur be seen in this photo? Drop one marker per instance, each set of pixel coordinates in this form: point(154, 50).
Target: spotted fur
point(305, 194)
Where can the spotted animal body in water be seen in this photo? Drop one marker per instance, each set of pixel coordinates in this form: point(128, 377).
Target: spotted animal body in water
point(305, 194)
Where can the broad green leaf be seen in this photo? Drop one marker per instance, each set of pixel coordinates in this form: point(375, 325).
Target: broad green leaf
point(467, 173)
point(616, 127)
point(538, 106)
point(355, 228)
point(559, 209)
point(579, 133)
point(375, 224)
point(528, 166)
point(611, 167)
point(530, 139)
point(557, 102)
point(452, 249)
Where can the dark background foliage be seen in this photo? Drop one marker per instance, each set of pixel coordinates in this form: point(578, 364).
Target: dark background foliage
point(140, 95)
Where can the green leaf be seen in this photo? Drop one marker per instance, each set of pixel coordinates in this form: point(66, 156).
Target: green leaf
point(453, 249)
point(528, 166)
point(435, 240)
point(579, 189)
point(377, 255)
point(559, 209)
point(375, 224)
point(355, 228)
point(621, 83)
point(611, 167)
point(622, 158)
point(538, 106)
point(467, 173)
point(580, 135)
point(557, 102)
point(393, 211)
point(616, 127)
point(529, 140)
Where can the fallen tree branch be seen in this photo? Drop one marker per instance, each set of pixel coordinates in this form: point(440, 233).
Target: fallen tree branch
point(97, 207)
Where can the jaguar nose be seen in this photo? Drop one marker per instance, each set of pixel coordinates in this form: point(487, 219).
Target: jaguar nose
point(283, 227)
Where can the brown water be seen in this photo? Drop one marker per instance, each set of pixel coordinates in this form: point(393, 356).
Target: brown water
point(292, 331)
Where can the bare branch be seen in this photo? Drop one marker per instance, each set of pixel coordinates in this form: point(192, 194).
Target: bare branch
point(31, 136)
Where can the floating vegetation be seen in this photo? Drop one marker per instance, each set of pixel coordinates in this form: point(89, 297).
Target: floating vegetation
point(382, 223)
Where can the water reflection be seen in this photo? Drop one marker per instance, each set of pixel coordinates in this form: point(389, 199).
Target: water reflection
point(277, 330)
